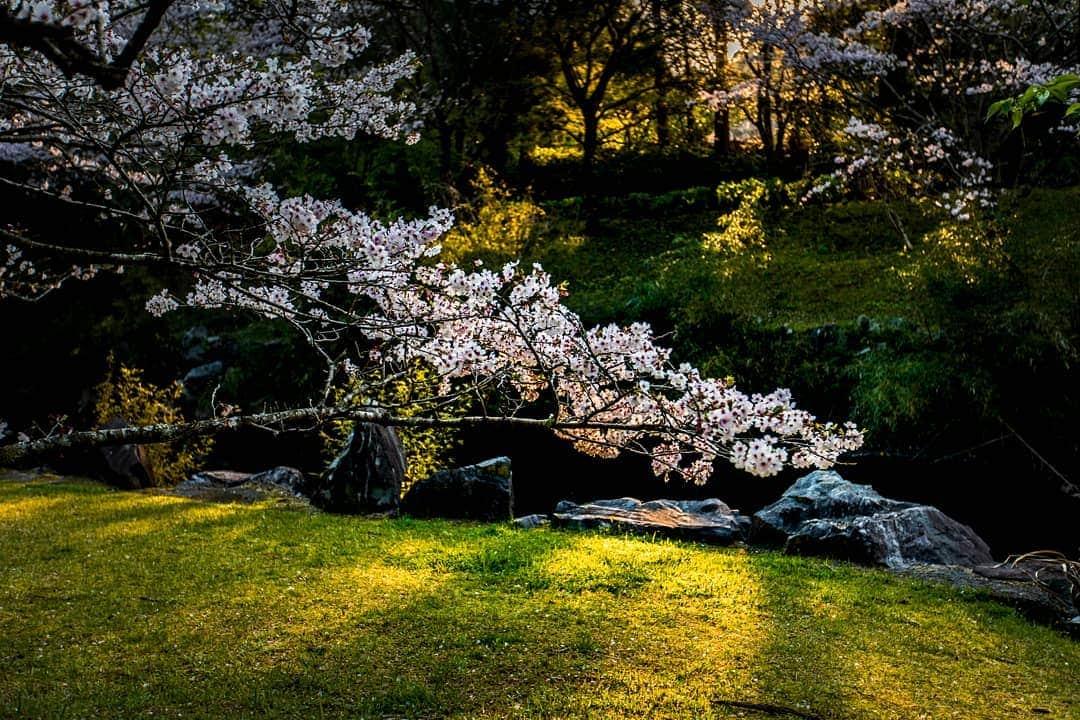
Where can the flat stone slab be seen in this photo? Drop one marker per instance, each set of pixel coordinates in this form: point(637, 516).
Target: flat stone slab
point(281, 484)
point(221, 478)
point(708, 521)
point(1034, 600)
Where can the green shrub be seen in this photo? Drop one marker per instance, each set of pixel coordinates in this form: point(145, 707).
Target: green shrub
point(124, 394)
point(410, 394)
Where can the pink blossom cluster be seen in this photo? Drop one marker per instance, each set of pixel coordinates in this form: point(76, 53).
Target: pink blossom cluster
point(506, 328)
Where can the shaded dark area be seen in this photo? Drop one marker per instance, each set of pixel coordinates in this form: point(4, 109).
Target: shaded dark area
point(1005, 497)
point(1002, 489)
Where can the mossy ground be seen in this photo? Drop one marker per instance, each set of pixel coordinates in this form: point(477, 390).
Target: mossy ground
point(136, 605)
point(818, 264)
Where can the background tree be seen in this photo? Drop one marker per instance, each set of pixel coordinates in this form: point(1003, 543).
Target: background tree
point(478, 76)
point(595, 45)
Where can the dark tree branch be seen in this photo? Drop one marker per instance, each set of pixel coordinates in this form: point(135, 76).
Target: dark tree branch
point(61, 46)
point(167, 432)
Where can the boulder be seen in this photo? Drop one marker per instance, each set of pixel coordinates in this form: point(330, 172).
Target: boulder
point(283, 477)
point(529, 522)
point(915, 535)
point(709, 521)
point(366, 476)
point(281, 484)
point(823, 514)
point(203, 373)
point(821, 494)
point(128, 466)
point(476, 492)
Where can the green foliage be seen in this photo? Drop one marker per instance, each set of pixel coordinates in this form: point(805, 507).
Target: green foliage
point(259, 611)
point(124, 394)
point(1035, 97)
point(899, 396)
point(494, 226)
point(414, 393)
point(976, 322)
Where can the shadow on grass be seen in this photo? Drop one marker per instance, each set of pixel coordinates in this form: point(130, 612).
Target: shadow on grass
point(857, 643)
point(122, 605)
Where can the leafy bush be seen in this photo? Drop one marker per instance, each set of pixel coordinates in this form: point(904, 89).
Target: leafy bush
point(495, 226)
point(414, 393)
point(124, 394)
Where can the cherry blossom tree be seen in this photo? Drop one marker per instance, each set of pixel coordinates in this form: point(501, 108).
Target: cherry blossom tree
point(149, 117)
point(906, 85)
point(771, 91)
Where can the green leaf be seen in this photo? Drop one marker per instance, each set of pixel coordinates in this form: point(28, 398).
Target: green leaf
point(1028, 96)
point(1017, 115)
point(1001, 107)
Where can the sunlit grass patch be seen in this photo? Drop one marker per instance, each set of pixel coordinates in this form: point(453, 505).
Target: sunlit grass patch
point(126, 604)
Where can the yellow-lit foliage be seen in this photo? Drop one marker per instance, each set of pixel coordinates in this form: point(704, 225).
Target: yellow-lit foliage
point(427, 449)
point(741, 234)
point(495, 226)
point(548, 154)
point(963, 251)
point(124, 394)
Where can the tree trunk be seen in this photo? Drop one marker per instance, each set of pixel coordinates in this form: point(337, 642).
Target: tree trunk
point(661, 111)
point(765, 110)
point(590, 144)
point(590, 141)
point(721, 133)
point(445, 146)
point(722, 117)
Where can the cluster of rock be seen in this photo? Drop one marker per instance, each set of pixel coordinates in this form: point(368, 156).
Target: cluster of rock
point(822, 514)
point(281, 483)
point(367, 478)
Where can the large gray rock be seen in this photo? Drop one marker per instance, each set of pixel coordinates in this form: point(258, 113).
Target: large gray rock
point(203, 373)
point(483, 491)
point(128, 466)
point(366, 476)
point(822, 494)
point(823, 514)
point(709, 521)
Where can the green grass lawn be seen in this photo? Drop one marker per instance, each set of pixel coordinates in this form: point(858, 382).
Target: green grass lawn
point(119, 604)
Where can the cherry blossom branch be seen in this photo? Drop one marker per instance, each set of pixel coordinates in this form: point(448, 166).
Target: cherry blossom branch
point(62, 46)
